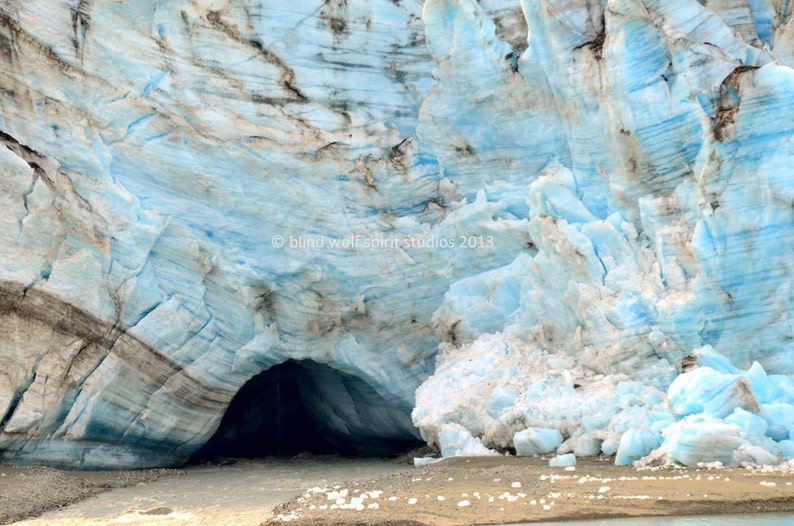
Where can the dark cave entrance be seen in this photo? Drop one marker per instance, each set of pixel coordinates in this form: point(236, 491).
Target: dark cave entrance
point(299, 407)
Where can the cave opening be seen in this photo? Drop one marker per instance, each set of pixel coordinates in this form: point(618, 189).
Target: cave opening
point(305, 407)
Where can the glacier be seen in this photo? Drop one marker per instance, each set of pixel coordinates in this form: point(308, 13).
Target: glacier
point(502, 226)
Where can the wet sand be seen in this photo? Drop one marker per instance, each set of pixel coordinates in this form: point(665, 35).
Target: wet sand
point(462, 491)
point(31, 491)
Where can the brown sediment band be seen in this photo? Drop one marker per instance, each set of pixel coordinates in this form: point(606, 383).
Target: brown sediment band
point(109, 338)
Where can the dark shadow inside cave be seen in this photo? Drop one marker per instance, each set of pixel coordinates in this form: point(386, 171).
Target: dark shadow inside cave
point(296, 407)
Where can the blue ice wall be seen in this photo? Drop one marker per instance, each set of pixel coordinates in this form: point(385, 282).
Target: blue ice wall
point(193, 193)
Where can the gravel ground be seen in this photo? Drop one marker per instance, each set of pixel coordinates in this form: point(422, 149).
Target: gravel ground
point(461, 492)
point(30, 491)
point(228, 492)
point(452, 492)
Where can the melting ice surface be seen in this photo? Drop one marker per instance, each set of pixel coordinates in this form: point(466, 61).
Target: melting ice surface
point(553, 227)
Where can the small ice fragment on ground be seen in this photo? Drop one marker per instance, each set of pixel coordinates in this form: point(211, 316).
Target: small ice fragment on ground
point(424, 461)
point(563, 461)
point(441, 497)
point(373, 506)
point(516, 485)
point(603, 489)
point(463, 503)
point(412, 500)
point(334, 495)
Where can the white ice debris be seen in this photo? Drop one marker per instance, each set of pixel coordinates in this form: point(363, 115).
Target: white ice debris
point(713, 414)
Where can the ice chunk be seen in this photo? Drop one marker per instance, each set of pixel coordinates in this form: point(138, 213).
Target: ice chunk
point(750, 424)
point(707, 356)
point(751, 455)
point(587, 445)
point(609, 446)
point(424, 461)
point(502, 398)
point(536, 441)
point(780, 418)
point(455, 440)
point(636, 444)
point(707, 391)
point(702, 439)
point(764, 387)
point(786, 448)
point(563, 461)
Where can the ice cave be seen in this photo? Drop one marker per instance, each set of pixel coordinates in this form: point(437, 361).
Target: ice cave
point(284, 411)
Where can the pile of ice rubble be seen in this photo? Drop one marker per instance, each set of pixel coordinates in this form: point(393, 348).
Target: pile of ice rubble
point(488, 401)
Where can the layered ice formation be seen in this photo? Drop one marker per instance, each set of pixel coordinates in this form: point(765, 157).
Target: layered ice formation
point(533, 226)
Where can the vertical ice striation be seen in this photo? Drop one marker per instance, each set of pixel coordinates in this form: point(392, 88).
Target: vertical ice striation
point(540, 214)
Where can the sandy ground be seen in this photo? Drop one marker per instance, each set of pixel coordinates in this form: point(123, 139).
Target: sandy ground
point(30, 491)
point(227, 493)
point(491, 490)
point(510, 490)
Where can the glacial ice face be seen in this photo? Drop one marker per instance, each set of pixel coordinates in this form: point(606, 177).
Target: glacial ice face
point(660, 221)
point(570, 197)
point(152, 153)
